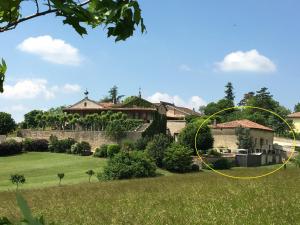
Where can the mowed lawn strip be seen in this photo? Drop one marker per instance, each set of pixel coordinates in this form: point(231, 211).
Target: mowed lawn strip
point(40, 169)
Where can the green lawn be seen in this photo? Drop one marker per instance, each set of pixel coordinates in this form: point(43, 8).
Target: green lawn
point(196, 198)
point(40, 169)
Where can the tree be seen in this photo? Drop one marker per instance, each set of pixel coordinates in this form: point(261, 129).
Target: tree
point(60, 177)
point(178, 158)
point(7, 123)
point(17, 179)
point(247, 96)
point(119, 17)
point(90, 173)
point(222, 104)
point(30, 119)
point(229, 95)
point(113, 96)
point(157, 146)
point(204, 138)
point(245, 141)
point(297, 107)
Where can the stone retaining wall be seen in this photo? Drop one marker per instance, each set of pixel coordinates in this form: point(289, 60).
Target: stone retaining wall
point(95, 138)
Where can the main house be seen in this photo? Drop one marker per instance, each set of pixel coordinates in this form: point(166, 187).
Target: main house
point(137, 108)
point(225, 136)
point(295, 117)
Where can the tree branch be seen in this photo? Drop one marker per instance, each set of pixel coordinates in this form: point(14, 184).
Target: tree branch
point(12, 25)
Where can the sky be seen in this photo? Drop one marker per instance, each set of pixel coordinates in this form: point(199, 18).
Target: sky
point(191, 50)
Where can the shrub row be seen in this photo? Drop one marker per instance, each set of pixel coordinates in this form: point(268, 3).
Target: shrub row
point(38, 145)
point(10, 147)
point(60, 146)
point(69, 145)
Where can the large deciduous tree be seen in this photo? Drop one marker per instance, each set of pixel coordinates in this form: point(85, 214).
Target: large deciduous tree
point(119, 17)
point(204, 139)
point(7, 123)
point(297, 107)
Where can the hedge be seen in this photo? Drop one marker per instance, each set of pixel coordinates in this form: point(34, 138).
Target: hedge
point(38, 145)
point(10, 147)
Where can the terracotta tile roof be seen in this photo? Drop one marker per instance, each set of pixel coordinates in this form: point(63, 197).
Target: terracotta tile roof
point(242, 123)
point(188, 111)
point(294, 115)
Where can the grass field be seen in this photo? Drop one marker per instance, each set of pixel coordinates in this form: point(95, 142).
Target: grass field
point(40, 169)
point(197, 198)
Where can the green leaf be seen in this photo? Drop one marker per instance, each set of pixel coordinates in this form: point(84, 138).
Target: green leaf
point(25, 210)
point(3, 69)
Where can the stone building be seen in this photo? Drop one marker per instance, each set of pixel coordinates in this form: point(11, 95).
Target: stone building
point(137, 108)
point(225, 137)
point(176, 117)
point(295, 117)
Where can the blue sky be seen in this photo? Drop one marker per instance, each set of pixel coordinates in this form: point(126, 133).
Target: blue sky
point(190, 51)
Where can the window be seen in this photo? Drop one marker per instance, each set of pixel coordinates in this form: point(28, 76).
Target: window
point(85, 104)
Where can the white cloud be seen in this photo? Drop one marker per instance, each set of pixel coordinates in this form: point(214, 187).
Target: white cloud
point(193, 102)
point(51, 50)
point(28, 89)
point(249, 61)
point(71, 88)
point(185, 67)
point(36, 88)
point(17, 111)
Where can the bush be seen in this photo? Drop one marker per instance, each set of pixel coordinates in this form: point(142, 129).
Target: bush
point(195, 168)
point(82, 148)
point(157, 147)
point(38, 145)
point(113, 149)
point(10, 147)
point(125, 165)
point(221, 164)
point(60, 146)
point(101, 152)
point(142, 142)
point(127, 146)
point(204, 138)
point(178, 158)
point(213, 152)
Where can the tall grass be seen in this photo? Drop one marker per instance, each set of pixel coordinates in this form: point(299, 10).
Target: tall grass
point(198, 198)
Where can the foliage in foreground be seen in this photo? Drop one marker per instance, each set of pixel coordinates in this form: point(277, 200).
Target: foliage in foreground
point(26, 213)
point(119, 18)
point(125, 165)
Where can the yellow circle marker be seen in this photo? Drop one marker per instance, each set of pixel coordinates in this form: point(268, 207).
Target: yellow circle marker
point(246, 177)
